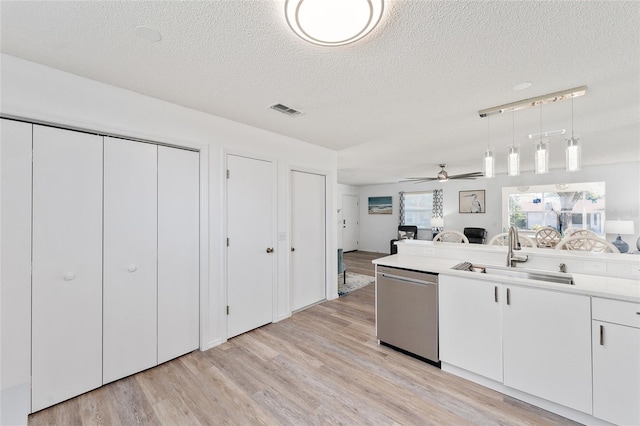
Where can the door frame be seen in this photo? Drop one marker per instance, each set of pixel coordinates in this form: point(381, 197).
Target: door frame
point(331, 263)
point(223, 289)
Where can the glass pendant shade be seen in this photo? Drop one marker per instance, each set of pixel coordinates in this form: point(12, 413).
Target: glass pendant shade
point(542, 157)
point(513, 161)
point(489, 163)
point(573, 154)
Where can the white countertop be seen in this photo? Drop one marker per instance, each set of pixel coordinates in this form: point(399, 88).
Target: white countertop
point(591, 285)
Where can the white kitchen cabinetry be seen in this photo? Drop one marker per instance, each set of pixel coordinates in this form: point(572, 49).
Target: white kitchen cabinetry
point(178, 252)
point(536, 341)
point(616, 361)
point(130, 258)
point(546, 345)
point(67, 265)
point(471, 325)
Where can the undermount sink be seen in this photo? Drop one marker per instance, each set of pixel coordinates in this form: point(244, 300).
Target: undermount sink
point(554, 277)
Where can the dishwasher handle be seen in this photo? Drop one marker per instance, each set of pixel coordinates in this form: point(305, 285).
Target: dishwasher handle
point(431, 281)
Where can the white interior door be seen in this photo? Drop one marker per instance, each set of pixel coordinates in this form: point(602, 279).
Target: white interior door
point(350, 222)
point(308, 248)
point(250, 265)
point(178, 252)
point(67, 265)
point(130, 258)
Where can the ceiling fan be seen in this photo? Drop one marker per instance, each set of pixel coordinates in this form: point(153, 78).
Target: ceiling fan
point(443, 176)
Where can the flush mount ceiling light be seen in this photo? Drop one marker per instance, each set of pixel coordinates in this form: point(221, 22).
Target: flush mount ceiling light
point(333, 22)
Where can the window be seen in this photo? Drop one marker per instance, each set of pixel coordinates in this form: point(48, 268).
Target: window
point(562, 206)
point(417, 208)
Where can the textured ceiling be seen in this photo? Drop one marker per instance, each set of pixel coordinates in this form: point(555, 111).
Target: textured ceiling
point(394, 104)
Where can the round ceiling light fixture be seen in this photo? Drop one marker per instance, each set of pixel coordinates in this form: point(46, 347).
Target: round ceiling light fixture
point(333, 22)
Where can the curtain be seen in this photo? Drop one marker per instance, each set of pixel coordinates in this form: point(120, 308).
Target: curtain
point(437, 208)
point(401, 209)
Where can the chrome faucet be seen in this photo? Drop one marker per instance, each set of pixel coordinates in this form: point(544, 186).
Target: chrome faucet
point(514, 244)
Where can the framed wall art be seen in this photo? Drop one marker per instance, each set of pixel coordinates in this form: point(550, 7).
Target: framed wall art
point(472, 201)
point(380, 205)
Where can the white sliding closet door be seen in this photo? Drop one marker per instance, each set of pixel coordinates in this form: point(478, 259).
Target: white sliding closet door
point(130, 258)
point(67, 265)
point(15, 281)
point(307, 239)
point(178, 252)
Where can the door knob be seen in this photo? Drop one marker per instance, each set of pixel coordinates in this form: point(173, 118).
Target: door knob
point(293, 249)
point(269, 249)
point(132, 268)
point(68, 276)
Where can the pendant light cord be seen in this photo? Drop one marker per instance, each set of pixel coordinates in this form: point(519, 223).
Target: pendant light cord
point(572, 118)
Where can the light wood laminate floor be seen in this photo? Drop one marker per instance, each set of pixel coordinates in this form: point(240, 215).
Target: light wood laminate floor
point(321, 366)
point(359, 262)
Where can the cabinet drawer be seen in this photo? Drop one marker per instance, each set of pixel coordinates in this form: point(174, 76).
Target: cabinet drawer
point(616, 311)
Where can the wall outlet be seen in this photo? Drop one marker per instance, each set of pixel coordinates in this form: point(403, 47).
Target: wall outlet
point(429, 250)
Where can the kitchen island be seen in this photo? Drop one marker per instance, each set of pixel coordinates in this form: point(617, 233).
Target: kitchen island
point(571, 349)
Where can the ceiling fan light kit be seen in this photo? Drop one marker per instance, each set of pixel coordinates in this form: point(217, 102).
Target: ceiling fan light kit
point(573, 150)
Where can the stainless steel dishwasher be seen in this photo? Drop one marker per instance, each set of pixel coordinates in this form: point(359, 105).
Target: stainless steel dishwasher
point(407, 311)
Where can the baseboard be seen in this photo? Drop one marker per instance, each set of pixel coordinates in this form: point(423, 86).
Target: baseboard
point(561, 410)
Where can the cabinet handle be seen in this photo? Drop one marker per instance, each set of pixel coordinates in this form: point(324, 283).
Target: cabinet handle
point(508, 296)
point(293, 249)
point(269, 249)
point(132, 268)
point(495, 293)
point(637, 313)
point(68, 276)
point(602, 335)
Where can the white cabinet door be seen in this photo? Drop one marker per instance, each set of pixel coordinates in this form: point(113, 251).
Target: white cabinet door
point(250, 264)
point(470, 325)
point(130, 258)
point(547, 345)
point(178, 252)
point(308, 248)
point(15, 282)
point(616, 373)
point(67, 265)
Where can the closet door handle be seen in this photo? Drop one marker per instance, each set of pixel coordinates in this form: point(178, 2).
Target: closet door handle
point(602, 335)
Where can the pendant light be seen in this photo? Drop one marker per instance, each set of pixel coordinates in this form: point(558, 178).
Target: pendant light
point(541, 159)
point(513, 158)
point(573, 152)
point(489, 159)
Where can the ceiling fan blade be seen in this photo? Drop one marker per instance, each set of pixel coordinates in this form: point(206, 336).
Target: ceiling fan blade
point(472, 175)
point(418, 179)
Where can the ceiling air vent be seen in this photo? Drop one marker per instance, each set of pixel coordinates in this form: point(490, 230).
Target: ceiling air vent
point(286, 110)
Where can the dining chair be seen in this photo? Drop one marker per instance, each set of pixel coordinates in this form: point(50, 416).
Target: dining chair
point(451, 237)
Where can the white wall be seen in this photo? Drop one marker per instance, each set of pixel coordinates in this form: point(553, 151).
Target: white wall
point(622, 182)
point(37, 92)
